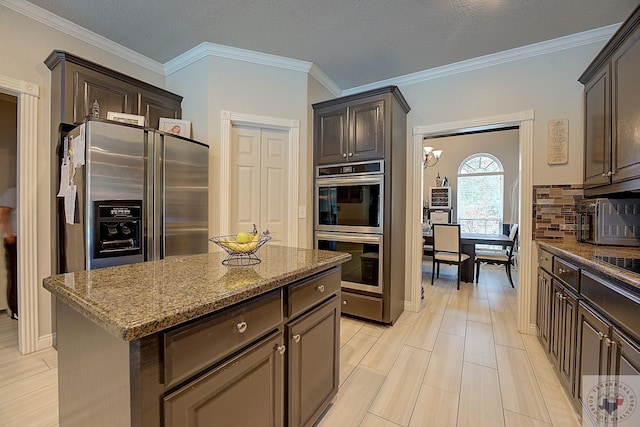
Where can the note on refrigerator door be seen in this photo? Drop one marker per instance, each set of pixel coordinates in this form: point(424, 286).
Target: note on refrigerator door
point(70, 204)
point(64, 178)
point(77, 145)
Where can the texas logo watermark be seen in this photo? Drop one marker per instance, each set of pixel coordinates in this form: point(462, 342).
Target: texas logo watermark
point(613, 400)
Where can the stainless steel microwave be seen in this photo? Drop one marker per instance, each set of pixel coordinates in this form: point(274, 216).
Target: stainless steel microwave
point(609, 222)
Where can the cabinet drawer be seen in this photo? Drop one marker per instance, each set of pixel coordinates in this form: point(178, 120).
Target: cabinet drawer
point(310, 292)
point(362, 305)
point(568, 273)
point(195, 346)
point(545, 260)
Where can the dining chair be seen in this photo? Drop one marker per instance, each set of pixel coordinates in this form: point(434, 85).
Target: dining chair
point(447, 248)
point(502, 257)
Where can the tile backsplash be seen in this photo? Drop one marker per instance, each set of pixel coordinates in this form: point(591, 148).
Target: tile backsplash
point(554, 210)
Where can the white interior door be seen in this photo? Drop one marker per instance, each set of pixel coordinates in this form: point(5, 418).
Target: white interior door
point(259, 171)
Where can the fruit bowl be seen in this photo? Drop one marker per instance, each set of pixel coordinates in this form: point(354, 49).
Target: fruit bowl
point(240, 253)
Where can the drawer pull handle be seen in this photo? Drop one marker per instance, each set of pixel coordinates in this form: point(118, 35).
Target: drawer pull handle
point(543, 258)
point(242, 326)
point(320, 288)
point(281, 349)
point(562, 271)
point(296, 338)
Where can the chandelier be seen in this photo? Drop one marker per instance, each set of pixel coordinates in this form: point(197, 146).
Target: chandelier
point(430, 156)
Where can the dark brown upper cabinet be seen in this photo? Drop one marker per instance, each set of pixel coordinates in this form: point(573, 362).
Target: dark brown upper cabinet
point(612, 109)
point(357, 127)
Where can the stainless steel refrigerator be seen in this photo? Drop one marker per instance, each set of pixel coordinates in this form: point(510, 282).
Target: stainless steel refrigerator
point(141, 195)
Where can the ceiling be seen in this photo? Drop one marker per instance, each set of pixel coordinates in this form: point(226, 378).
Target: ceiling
point(354, 42)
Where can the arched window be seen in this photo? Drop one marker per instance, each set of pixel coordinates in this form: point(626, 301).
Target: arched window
point(480, 194)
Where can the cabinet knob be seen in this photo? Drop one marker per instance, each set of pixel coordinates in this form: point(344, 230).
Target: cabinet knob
point(344, 155)
point(296, 338)
point(604, 174)
point(320, 288)
point(281, 349)
point(344, 302)
point(562, 271)
point(242, 326)
point(609, 342)
point(601, 336)
point(610, 173)
point(350, 154)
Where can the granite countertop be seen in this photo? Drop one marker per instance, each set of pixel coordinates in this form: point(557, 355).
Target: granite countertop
point(585, 253)
point(136, 300)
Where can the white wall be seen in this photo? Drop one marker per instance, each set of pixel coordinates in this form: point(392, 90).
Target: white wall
point(546, 84)
point(212, 85)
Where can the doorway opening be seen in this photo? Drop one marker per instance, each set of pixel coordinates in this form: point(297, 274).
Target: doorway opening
point(27, 171)
point(524, 122)
point(8, 182)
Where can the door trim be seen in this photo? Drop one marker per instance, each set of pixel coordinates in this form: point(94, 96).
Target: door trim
point(228, 119)
point(27, 186)
point(524, 120)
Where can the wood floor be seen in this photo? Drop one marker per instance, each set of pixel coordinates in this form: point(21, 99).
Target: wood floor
point(459, 362)
point(28, 384)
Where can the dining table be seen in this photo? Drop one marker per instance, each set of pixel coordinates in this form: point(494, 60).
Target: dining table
point(468, 242)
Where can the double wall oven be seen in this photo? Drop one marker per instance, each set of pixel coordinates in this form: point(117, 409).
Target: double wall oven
point(349, 218)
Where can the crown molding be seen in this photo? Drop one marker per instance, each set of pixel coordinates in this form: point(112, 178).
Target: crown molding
point(54, 21)
point(212, 49)
point(324, 80)
point(567, 42)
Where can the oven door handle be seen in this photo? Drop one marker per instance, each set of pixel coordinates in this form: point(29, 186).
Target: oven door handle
point(352, 180)
point(350, 237)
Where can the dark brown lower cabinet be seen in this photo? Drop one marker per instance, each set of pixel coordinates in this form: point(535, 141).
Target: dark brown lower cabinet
point(247, 390)
point(562, 337)
point(602, 350)
point(313, 369)
point(544, 307)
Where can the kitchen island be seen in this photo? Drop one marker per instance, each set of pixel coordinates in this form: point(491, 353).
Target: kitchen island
point(189, 341)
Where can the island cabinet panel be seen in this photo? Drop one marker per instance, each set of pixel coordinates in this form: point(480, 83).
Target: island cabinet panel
point(244, 391)
point(192, 347)
point(314, 358)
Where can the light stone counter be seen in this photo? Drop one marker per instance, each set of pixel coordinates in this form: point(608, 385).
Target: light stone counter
point(585, 253)
point(136, 300)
